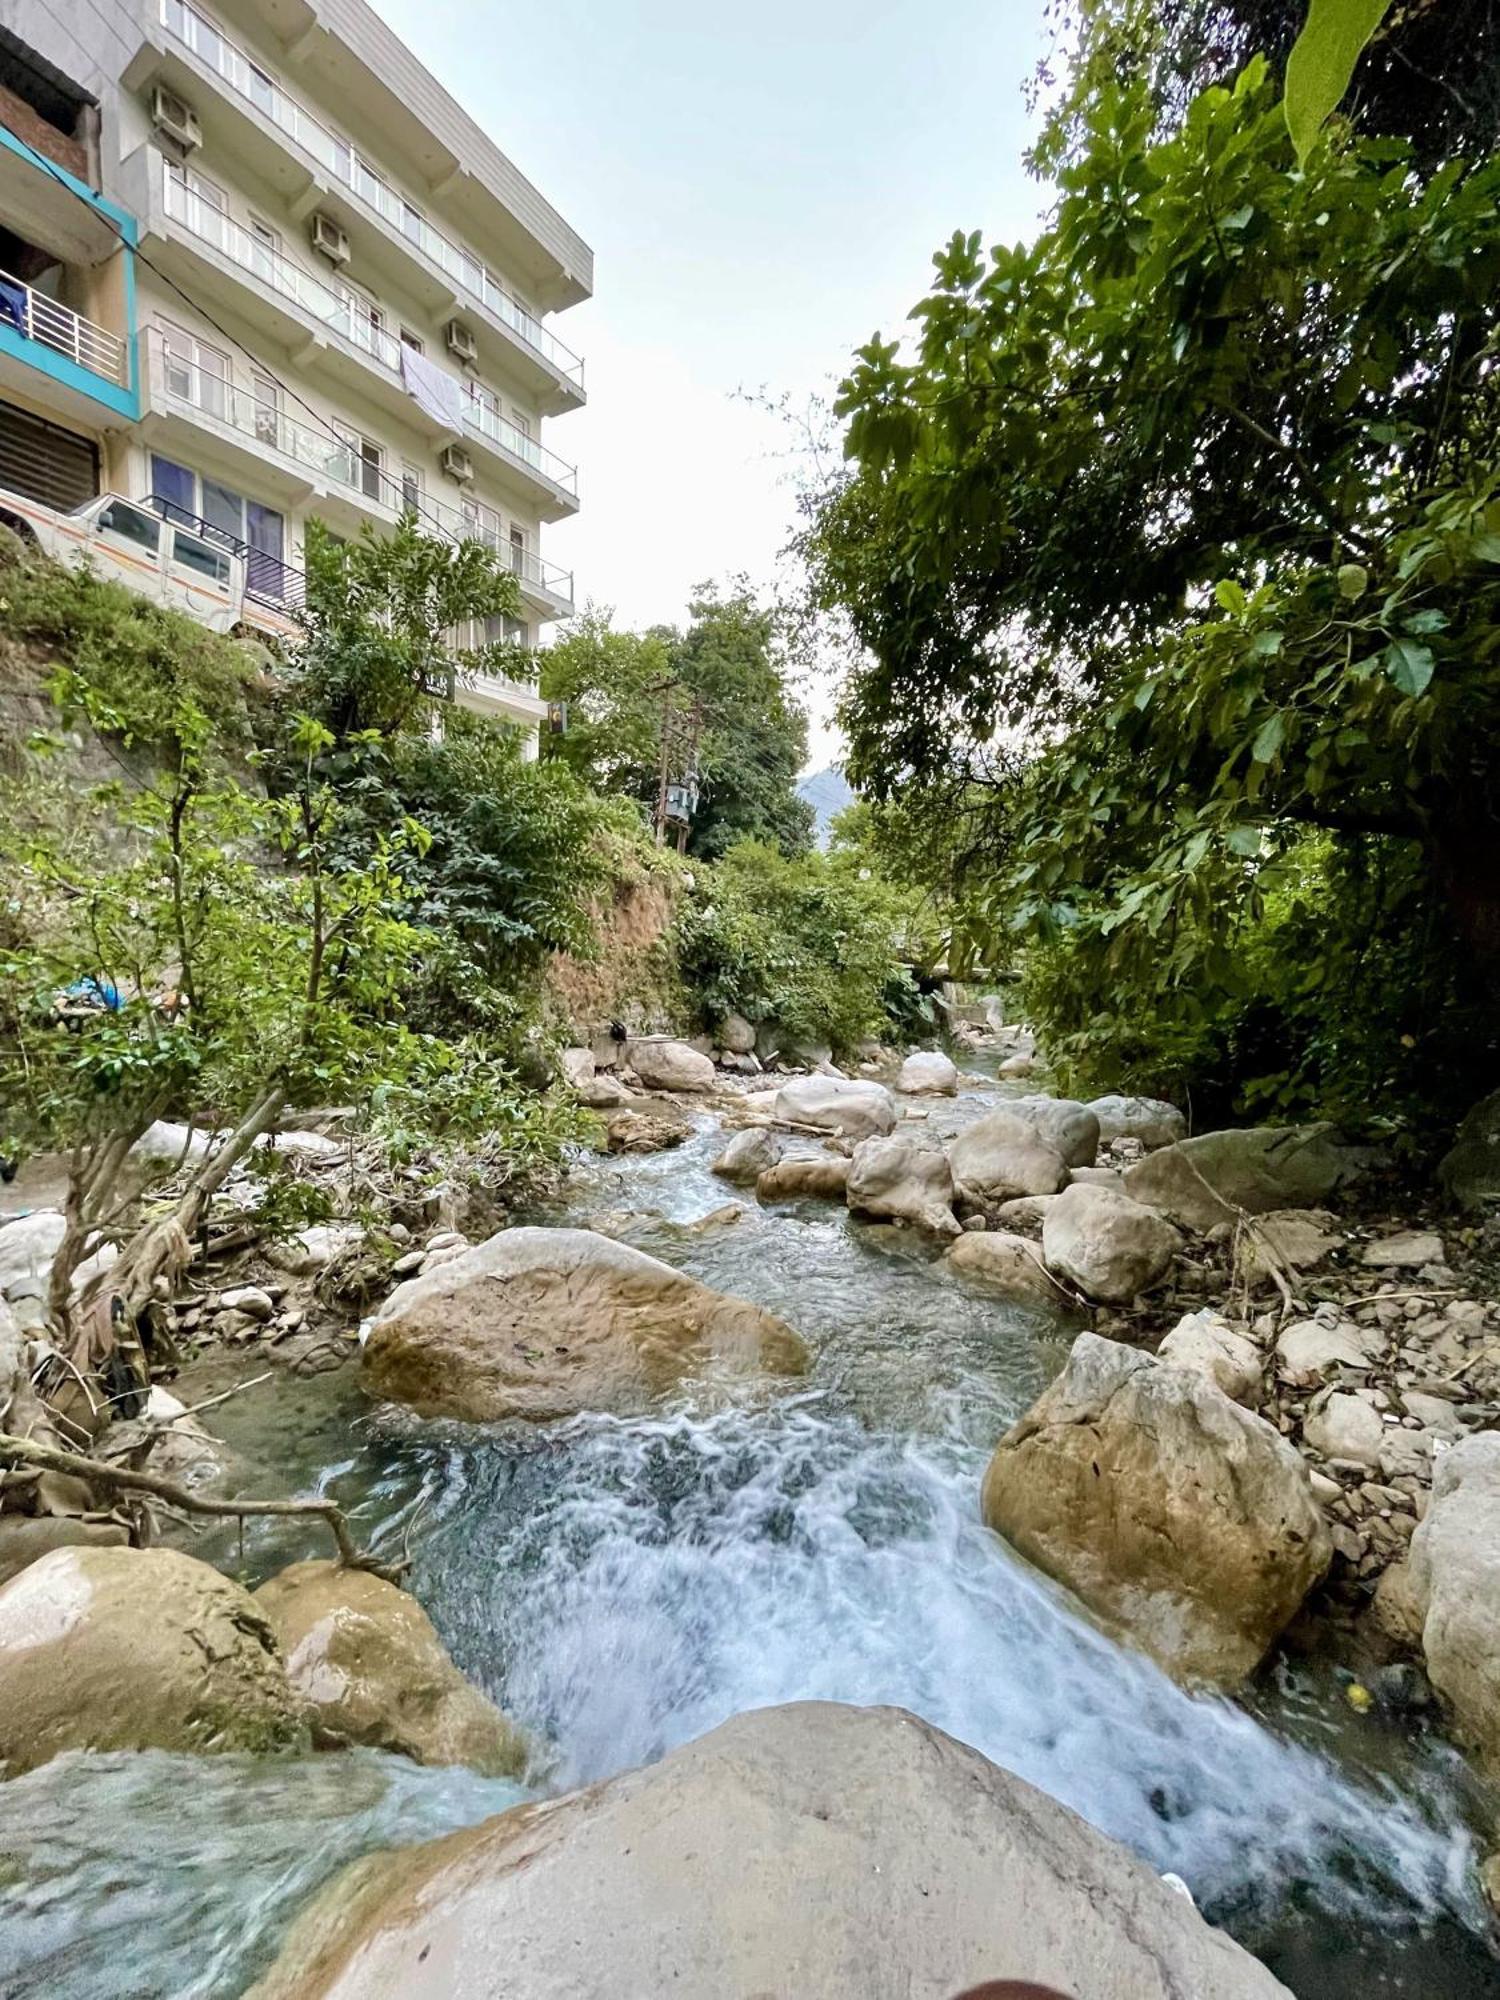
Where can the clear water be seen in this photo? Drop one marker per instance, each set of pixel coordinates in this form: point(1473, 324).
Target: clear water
point(622, 1586)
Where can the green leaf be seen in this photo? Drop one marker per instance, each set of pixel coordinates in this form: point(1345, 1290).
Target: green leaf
point(1487, 548)
point(1353, 579)
point(1269, 738)
point(1409, 665)
point(1321, 63)
point(1245, 840)
point(1230, 597)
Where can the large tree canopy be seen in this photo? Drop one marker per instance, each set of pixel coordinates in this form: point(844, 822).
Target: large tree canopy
point(1183, 525)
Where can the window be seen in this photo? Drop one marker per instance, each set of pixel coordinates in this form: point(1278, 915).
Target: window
point(364, 462)
point(481, 523)
point(518, 550)
point(142, 531)
point(262, 88)
point(225, 518)
point(195, 372)
point(366, 320)
point(411, 489)
point(174, 488)
point(266, 393)
point(198, 556)
point(265, 249)
point(516, 631)
point(521, 421)
point(411, 340)
point(413, 222)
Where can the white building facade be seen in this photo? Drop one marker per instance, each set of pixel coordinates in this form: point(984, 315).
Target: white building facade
point(342, 290)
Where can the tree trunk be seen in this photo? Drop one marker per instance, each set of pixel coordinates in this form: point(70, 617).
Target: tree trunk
point(1465, 859)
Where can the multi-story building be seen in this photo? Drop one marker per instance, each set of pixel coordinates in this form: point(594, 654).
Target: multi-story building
point(307, 283)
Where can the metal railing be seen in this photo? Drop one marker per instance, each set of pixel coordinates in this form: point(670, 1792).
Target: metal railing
point(522, 562)
point(267, 579)
point(281, 275)
point(248, 80)
point(42, 319)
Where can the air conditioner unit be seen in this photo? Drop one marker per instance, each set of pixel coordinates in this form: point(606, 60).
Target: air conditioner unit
point(461, 342)
point(457, 463)
point(328, 237)
point(177, 120)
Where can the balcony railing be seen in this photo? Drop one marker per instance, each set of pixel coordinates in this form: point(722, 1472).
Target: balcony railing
point(521, 562)
point(277, 273)
point(288, 279)
point(248, 80)
point(66, 332)
point(268, 580)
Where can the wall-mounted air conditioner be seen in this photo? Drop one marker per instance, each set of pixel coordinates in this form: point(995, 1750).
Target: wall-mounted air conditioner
point(461, 342)
point(457, 463)
point(175, 119)
point(327, 236)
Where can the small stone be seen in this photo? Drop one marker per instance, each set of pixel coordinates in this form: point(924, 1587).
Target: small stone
point(251, 1300)
point(445, 1239)
point(1408, 1250)
point(1433, 1413)
point(236, 1327)
point(1345, 1428)
point(1326, 1489)
point(405, 1267)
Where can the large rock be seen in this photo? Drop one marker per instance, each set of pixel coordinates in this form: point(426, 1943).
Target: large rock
point(898, 1180)
point(816, 1851)
point(737, 1035)
point(577, 1066)
point(136, 1649)
point(1068, 1127)
point(748, 1154)
point(1470, 1169)
point(929, 1070)
point(858, 1110)
point(368, 1664)
point(664, 1065)
point(646, 1131)
point(1002, 1155)
point(796, 1180)
point(1454, 1574)
point(27, 1248)
point(1149, 1119)
point(1206, 1341)
point(1310, 1350)
point(1204, 1181)
point(544, 1323)
point(1110, 1247)
point(1286, 1239)
point(1347, 1427)
point(1184, 1522)
point(1006, 1264)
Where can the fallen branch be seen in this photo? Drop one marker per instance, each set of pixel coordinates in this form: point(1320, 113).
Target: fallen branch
point(1399, 1298)
point(47, 1459)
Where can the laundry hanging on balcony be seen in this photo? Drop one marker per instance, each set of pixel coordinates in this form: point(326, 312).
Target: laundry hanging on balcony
point(435, 392)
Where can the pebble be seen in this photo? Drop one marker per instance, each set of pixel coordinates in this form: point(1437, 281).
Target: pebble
point(252, 1300)
point(409, 1265)
point(446, 1239)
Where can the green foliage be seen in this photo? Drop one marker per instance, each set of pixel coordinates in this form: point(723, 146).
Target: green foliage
point(153, 679)
point(379, 621)
point(1322, 62)
point(623, 689)
point(811, 943)
point(1177, 537)
point(460, 1104)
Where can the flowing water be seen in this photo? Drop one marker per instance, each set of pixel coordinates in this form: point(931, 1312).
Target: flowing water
point(622, 1586)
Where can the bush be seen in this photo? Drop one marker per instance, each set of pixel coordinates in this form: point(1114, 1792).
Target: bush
point(811, 944)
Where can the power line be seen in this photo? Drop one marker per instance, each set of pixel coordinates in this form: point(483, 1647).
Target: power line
point(223, 332)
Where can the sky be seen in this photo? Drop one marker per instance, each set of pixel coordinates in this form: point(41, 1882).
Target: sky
point(763, 189)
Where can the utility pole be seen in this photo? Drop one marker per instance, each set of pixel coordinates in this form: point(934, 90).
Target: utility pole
point(677, 783)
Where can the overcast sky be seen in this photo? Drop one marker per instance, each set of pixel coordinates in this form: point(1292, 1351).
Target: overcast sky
point(763, 188)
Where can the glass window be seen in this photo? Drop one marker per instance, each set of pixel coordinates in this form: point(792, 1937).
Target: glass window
point(199, 556)
point(411, 488)
point(174, 488)
point(267, 395)
point(371, 460)
point(223, 509)
point(131, 525)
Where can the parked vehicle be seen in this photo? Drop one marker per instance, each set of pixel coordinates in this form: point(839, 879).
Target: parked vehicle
point(153, 548)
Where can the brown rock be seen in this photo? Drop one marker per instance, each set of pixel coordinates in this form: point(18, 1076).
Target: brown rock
point(1007, 1264)
point(791, 1180)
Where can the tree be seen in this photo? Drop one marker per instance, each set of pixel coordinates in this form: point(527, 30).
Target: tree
point(1181, 529)
point(752, 736)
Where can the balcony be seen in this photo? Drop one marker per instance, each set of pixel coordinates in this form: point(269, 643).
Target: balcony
point(304, 303)
point(466, 277)
point(546, 585)
point(86, 365)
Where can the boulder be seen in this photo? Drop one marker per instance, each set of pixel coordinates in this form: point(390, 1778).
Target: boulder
point(25, 1537)
point(311, 1248)
point(576, 1067)
point(1185, 1523)
point(1064, 1124)
point(1292, 1239)
point(929, 1070)
point(1004, 1263)
point(136, 1649)
point(1110, 1247)
point(1205, 1341)
point(544, 1323)
point(815, 1850)
point(366, 1661)
point(1148, 1119)
point(1345, 1426)
point(1025, 1211)
point(857, 1109)
point(1454, 1570)
point(1109, 1177)
point(1310, 1350)
point(1002, 1155)
point(898, 1180)
point(794, 1180)
point(1408, 1250)
point(645, 1131)
point(1017, 1065)
point(1263, 1167)
point(748, 1154)
point(28, 1246)
point(1470, 1169)
point(737, 1035)
point(601, 1092)
point(667, 1065)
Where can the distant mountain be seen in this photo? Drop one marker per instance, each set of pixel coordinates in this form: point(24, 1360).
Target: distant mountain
point(827, 792)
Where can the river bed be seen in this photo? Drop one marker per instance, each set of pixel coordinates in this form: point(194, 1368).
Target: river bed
point(621, 1586)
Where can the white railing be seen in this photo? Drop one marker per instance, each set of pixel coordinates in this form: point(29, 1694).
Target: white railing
point(278, 273)
point(339, 158)
point(521, 562)
point(50, 324)
point(481, 416)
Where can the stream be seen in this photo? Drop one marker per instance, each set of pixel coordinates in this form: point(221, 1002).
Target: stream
point(620, 1586)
